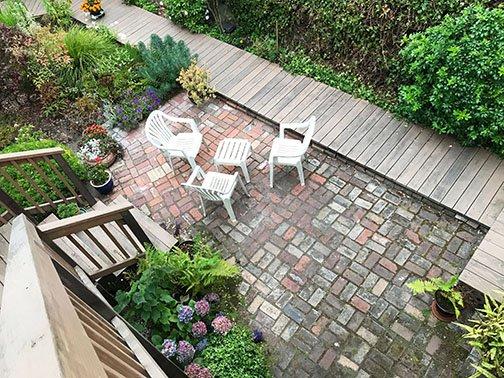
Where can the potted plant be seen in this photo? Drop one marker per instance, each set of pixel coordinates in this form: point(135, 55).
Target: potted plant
point(447, 302)
point(97, 146)
point(101, 179)
point(195, 80)
point(94, 8)
point(486, 335)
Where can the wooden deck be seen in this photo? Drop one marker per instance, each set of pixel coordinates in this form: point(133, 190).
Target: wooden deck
point(4, 249)
point(485, 270)
point(467, 180)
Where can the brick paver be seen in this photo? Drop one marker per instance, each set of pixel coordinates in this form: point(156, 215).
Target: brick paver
point(325, 265)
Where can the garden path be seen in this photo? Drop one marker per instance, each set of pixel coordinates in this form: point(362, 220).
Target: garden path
point(467, 180)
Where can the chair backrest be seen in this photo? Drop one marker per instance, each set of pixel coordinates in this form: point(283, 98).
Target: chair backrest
point(310, 124)
point(211, 195)
point(157, 129)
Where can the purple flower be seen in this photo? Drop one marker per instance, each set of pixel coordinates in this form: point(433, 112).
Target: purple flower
point(185, 352)
point(199, 329)
point(212, 297)
point(169, 348)
point(202, 307)
point(222, 325)
point(185, 314)
point(257, 336)
point(202, 344)
point(196, 371)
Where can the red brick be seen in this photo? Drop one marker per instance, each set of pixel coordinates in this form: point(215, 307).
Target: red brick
point(327, 359)
point(302, 264)
point(319, 325)
point(290, 285)
point(413, 236)
point(290, 233)
point(364, 236)
point(338, 286)
point(389, 265)
point(360, 304)
point(318, 179)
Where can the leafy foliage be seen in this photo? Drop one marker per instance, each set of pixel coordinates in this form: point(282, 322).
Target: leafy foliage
point(487, 336)
point(195, 80)
point(163, 61)
point(188, 13)
point(59, 12)
point(445, 287)
point(66, 210)
point(98, 174)
point(455, 77)
point(28, 140)
point(14, 13)
point(236, 356)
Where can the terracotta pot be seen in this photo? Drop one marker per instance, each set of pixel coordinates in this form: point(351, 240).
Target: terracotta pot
point(442, 308)
point(107, 161)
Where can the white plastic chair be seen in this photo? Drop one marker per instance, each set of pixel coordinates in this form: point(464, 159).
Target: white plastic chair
point(182, 145)
point(216, 187)
point(290, 152)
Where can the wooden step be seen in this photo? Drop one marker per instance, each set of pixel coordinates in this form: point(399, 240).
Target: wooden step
point(161, 239)
point(4, 250)
point(68, 247)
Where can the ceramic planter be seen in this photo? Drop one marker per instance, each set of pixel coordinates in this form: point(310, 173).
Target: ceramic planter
point(97, 15)
point(442, 308)
point(105, 188)
point(107, 160)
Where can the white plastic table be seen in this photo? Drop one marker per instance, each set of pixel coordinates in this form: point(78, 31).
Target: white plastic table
point(232, 151)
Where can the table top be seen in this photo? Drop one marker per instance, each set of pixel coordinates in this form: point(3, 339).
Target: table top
point(232, 150)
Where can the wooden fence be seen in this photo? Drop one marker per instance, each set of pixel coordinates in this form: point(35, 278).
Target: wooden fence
point(23, 171)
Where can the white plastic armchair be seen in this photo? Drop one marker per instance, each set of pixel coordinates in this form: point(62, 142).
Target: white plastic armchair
point(215, 187)
point(182, 145)
point(290, 152)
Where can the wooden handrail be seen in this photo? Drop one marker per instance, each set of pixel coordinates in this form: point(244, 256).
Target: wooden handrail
point(81, 222)
point(24, 155)
point(40, 332)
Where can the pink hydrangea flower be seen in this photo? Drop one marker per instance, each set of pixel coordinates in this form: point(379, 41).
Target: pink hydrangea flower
point(199, 329)
point(196, 371)
point(222, 325)
point(202, 307)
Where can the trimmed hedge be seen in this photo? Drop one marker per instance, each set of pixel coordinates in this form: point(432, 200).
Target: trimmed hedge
point(455, 77)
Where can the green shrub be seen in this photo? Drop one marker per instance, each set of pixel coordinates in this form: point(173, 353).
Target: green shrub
point(188, 13)
point(66, 210)
point(14, 13)
point(236, 356)
point(191, 272)
point(86, 47)
point(7, 134)
point(28, 140)
point(455, 77)
point(163, 60)
point(59, 12)
point(487, 336)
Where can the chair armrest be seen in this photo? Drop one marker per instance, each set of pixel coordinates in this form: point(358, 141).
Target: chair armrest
point(187, 121)
point(295, 126)
point(197, 171)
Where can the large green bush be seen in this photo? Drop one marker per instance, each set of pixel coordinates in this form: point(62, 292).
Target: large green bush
point(188, 13)
point(163, 60)
point(29, 140)
point(455, 77)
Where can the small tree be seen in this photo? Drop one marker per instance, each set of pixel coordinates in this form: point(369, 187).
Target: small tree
point(163, 61)
point(454, 76)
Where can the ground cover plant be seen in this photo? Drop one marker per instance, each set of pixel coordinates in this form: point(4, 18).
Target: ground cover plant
point(184, 300)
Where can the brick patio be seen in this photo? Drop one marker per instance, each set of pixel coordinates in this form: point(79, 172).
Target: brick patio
point(324, 265)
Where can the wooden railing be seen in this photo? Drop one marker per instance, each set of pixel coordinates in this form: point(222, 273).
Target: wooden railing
point(62, 185)
point(52, 325)
point(99, 241)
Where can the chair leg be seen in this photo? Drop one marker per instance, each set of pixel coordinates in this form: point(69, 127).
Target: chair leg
point(229, 208)
point(243, 186)
point(170, 161)
point(299, 166)
point(244, 169)
point(192, 162)
point(271, 173)
point(202, 205)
